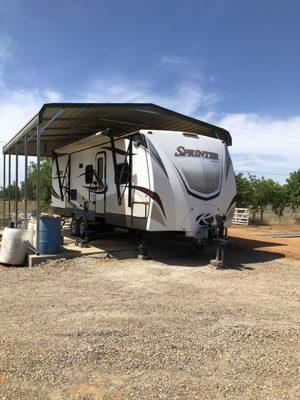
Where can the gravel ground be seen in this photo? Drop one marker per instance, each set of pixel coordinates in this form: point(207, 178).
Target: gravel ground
point(170, 328)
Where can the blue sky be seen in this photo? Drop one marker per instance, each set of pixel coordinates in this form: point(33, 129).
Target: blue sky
point(233, 63)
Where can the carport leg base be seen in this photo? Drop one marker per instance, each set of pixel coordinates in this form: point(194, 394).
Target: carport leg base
point(216, 263)
point(34, 259)
point(144, 257)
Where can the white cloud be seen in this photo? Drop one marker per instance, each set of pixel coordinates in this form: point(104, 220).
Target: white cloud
point(257, 144)
point(173, 60)
point(185, 97)
point(5, 54)
point(190, 93)
point(5, 44)
point(263, 143)
point(17, 107)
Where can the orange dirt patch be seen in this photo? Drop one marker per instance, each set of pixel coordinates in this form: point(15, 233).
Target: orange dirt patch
point(2, 378)
point(90, 390)
point(260, 237)
point(100, 390)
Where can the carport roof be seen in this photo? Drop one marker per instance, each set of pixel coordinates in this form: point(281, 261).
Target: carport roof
point(63, 123)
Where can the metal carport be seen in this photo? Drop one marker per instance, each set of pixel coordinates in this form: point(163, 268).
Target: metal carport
point(58, 124)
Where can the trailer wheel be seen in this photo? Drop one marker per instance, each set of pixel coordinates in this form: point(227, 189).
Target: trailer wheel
point(83, 227)
point(135, 232)
point(199, 244)
point(74, 227)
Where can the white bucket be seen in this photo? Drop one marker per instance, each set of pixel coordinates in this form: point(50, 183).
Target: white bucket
point(14, 246)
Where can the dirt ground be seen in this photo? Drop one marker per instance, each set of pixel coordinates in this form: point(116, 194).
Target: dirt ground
point(260, 237)
point(168, 328)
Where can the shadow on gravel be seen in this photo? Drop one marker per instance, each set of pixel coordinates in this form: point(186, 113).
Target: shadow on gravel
point(240, 258)
point(253, 244)
point(179, 251)
point(236, 258)
point(186, 255)
point(248, 251)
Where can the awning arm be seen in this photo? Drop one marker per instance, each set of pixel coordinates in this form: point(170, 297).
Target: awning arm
point(118, 179)
point(58, 177)
point(128, 153)
point(114, 157)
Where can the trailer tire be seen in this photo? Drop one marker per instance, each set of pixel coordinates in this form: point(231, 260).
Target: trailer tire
point(83, 227)
point(74, 227)
point(199, 246)
point(135, 232)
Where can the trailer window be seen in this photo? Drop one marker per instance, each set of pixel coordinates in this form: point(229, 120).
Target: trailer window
point(89, 173)
point(125, 175)
point(101, 168)
point(73, 194)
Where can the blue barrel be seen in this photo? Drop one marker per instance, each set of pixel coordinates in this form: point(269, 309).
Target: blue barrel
point(50, 235)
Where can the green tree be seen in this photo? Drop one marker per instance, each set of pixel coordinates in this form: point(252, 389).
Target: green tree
point(280, 199)
point(244, 191)
point(12, 190)
point(293, 189)
point(45, 181)
point(264, 191)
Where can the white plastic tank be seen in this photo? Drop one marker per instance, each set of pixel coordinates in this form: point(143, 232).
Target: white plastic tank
point(32, 232)
point(14, 246)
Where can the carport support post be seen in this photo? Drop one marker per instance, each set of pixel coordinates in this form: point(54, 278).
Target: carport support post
point(38, 187)
point(4, 187)
point(9, 187)
point(25, 179)
point(16, 187)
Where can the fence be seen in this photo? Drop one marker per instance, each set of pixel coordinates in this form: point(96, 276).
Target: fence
point(241, 216)
point(21, 211)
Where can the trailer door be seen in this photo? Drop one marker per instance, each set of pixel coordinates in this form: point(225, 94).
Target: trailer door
point(101, 183)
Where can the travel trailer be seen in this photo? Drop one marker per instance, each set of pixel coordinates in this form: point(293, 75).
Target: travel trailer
point(137, 166)
point(148, 180)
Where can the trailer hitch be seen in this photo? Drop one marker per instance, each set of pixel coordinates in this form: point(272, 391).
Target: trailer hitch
point(221, 241)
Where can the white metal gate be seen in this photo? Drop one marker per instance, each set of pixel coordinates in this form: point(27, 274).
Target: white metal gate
point(241, 216)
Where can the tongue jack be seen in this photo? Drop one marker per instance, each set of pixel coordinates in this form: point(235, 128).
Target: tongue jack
point(221, 241)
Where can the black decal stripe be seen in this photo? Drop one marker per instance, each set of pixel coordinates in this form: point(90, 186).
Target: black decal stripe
point(55, 194)
point(231, 203)
point(193, 194)
point(67, 190)
point(152, 195)
point(153, 152)
point(95, 190)
point(199, 216)
point(160, 163)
